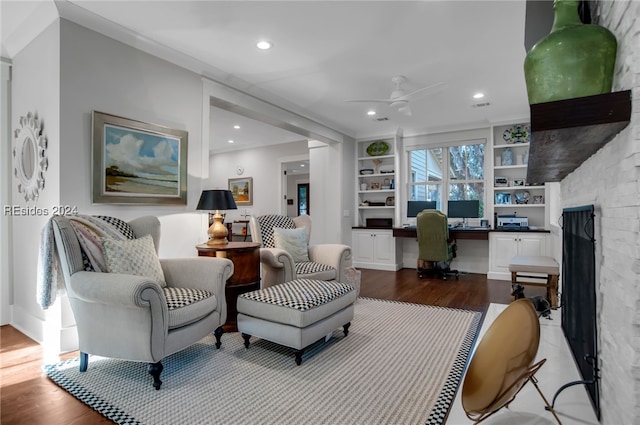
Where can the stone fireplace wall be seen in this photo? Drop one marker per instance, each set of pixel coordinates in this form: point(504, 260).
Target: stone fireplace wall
point(610, 180)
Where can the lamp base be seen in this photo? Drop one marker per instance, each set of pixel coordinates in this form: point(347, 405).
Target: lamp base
point(217, 242)
point(217, 232)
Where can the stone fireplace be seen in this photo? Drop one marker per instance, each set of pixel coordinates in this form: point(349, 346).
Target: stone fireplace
point(610, 180)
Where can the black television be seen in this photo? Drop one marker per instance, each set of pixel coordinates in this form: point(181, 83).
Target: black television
point(414, 207)
point(463, 209)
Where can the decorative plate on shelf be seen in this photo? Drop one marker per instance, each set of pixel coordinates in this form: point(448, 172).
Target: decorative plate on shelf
point(517, 134)
point(377, 148)
point(522, 196)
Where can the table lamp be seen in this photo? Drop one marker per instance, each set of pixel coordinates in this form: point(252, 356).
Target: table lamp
point(216, 200)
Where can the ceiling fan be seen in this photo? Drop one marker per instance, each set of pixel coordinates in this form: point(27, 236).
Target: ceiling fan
point(399, 98)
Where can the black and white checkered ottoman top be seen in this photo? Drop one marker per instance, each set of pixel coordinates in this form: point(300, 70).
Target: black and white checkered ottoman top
point(301, 294)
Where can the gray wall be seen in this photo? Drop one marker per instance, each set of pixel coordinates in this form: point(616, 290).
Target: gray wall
point(62, 75)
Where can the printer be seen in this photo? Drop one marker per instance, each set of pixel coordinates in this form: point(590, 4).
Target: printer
point(511, 222)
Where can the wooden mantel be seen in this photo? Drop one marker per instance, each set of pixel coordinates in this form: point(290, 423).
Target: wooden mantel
point(567, 132)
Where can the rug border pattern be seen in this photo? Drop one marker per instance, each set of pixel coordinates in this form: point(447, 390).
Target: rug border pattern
point(101, 406)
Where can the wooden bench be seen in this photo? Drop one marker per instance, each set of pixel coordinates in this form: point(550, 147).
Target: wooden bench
point(548, 266)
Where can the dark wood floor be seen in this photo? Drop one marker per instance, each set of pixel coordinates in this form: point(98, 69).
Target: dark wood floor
point(28, 397)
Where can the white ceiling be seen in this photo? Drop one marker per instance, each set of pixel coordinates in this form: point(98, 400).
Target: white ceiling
point(326, 52)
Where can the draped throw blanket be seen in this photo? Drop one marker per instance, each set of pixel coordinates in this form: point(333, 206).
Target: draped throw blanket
point(88, 230)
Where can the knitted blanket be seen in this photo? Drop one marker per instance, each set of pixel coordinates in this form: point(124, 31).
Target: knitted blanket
point(50, 281)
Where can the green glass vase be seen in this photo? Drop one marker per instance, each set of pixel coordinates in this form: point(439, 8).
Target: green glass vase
point(573, 60)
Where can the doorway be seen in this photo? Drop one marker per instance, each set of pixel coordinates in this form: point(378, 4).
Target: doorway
point(304, 199)
point(296, 186)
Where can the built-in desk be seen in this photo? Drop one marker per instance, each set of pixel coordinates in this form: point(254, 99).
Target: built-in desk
point(477, 256)
point(474, 233)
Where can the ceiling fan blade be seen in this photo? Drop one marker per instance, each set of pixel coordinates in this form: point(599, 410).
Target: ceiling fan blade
point(423, 92)
point(406, 110)
point(372, 100)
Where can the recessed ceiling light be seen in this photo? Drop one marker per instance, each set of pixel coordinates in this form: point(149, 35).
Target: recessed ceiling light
point(371, 112)
point(478, 95)
point(236, 126)
point(264, 45)
point(230, 141)
point(302, 165)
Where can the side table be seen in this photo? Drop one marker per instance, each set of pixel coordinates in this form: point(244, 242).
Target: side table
point(245, 257)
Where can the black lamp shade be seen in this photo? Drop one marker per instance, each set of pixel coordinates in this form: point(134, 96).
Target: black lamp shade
point(216, 200)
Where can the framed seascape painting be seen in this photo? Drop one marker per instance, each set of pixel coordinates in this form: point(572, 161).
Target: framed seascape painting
point(135, 162)
point(242, 190)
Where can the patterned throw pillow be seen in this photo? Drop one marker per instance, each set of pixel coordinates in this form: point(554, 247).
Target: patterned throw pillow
point(121, 225)
point(294, 241)
point(134, 256)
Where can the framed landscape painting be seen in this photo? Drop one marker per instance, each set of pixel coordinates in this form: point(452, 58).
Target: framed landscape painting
point(242, 190)
point(135, 162)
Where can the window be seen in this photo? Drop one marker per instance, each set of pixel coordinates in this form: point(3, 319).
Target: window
point(427, 172)
point(447, 173)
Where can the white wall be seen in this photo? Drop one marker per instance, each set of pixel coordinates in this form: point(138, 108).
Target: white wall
point(263, 165)
point(6, 293)
point(35, 89)
point(610, 180)
point(328, 179)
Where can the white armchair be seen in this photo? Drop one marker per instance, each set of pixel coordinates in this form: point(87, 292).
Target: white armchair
point(325, 261)
point(138, 318)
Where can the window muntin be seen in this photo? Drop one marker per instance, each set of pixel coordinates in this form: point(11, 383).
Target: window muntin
point(462, 174)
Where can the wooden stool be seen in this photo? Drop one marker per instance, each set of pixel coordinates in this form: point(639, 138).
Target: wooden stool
point(537, 264)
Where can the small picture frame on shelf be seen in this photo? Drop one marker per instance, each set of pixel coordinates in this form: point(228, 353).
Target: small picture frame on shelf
point(503, 198)
point(500, 182)
point(517, 182)
point(374, 186)
point(538, 199)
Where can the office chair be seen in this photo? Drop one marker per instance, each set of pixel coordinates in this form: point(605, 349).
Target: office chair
point(435, 249)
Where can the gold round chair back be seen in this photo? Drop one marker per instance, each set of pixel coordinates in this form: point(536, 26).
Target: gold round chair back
point(502, 359)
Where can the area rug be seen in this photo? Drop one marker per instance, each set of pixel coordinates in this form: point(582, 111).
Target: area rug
point(400, 364)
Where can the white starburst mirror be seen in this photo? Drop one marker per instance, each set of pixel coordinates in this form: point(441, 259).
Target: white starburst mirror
point(30, 157)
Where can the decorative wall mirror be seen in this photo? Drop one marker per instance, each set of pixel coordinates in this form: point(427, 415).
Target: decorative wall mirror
point(30, 157)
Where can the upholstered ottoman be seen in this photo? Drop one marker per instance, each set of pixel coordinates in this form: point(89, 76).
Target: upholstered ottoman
point(297, 313)
point(547, 267)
